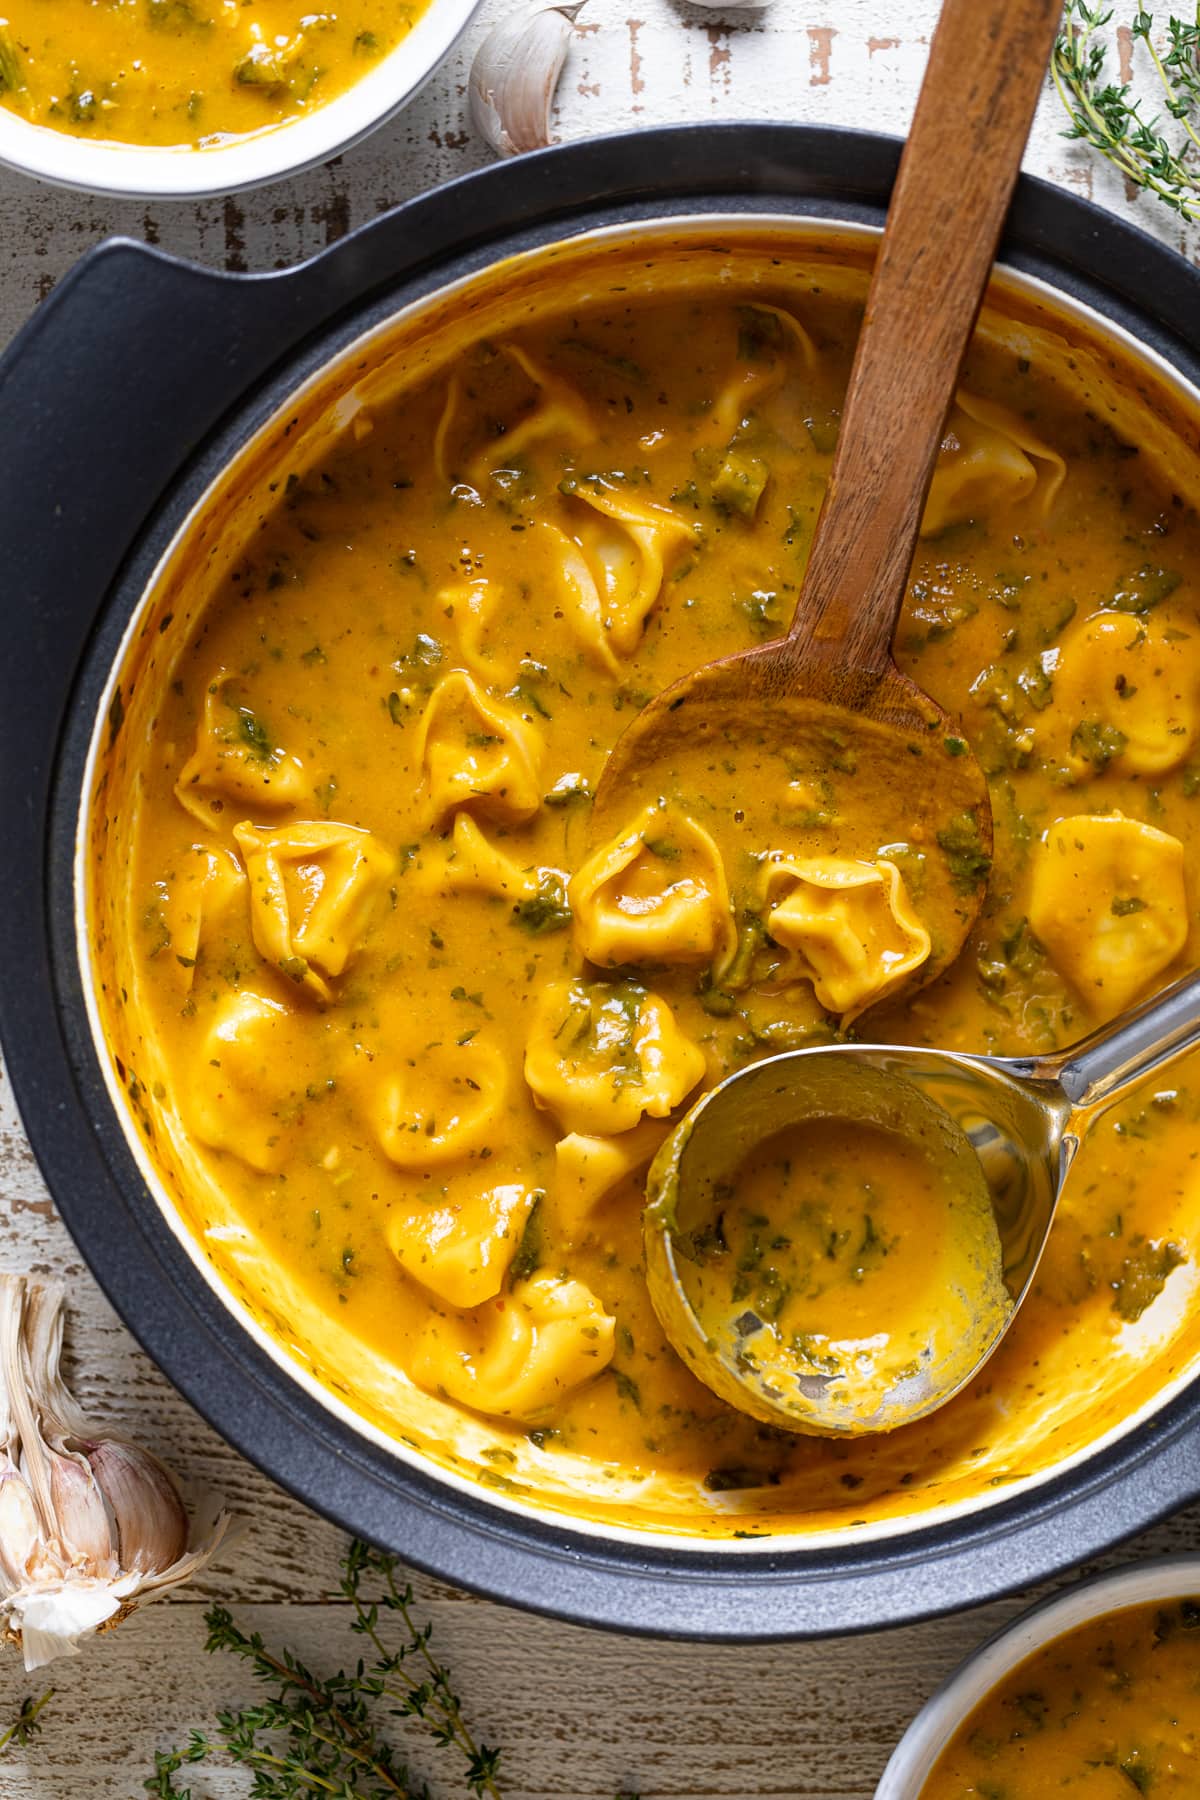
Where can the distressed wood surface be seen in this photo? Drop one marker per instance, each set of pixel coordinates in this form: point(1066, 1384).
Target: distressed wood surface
point(580, 1714)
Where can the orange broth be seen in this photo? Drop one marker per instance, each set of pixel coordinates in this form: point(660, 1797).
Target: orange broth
point(186, 72)
point(402, 1066)
point(1109, 1709)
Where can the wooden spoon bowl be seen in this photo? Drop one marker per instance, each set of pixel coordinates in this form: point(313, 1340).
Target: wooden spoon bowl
point(774, 747)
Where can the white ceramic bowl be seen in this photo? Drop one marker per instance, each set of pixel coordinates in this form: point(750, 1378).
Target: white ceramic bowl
point(144, 173)
point(913, 1760)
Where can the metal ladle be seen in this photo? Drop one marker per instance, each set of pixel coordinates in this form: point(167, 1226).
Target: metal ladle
point(1022, 1119)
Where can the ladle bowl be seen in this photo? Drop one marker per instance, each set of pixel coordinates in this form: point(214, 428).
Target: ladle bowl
point(1023, 1120)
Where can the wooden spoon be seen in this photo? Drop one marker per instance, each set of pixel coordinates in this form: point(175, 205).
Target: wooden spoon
point(823, 714)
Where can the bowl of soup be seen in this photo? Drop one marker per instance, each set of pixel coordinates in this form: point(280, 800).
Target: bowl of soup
point(357, 1049)
point(180, 99)
point(1092, 1693)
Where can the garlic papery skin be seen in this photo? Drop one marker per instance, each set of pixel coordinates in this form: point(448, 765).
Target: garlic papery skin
point(91, 1526)
point(515, 74)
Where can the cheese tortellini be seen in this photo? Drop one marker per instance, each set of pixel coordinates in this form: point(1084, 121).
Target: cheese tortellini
point(439, 1105)
point(237, 758)
point(657, 894)
point(460, 1246)
point(469, 863)
point(769, 340)
point(989, 455)
point(245, 1087)
point(1109, 904)
point(601, 1056)
point(479, 753)
point(588, 1169)
point(1126, 692)
point(473, 607)
point(312, 889)
point(558, 415)
point(198, 900)
point(554, 413)
point(850, 927)
point(516, 1357)
point(612, 561)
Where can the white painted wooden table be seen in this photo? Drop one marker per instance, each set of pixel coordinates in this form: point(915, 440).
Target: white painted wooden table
point(580, 1714)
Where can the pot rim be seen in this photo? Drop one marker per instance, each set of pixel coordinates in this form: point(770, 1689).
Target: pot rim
point(915, 1756)
point(179, 172)
point(244, 331)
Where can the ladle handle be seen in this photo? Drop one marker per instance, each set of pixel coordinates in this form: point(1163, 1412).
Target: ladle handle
point(986, 65)
point(1121, 1057)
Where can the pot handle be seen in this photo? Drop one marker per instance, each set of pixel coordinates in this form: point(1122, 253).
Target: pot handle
point(119, 376)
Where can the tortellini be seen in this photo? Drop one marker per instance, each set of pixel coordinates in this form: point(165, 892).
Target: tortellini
point(657, 894)
point(237, 758)
point(587, 1169)
point(518, 1356)
point(460, 1247)
point(440, 1105)
point(1126, 691)
point(989, 456)
point(469, 863)
point(849, 925)
point(601, 1056)
point(766, 334)
point(613, 559)
point(478, 753)
point(473, 606)
point(312, 888)
point(197, 902)
point(584, 605)
point(558, 415)
point(1109, 905)
point(243, 1093)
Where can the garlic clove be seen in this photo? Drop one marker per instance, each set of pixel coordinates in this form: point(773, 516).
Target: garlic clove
point(84, 1522)
point(90, 1526)
point(22, 1549)
point(213, 1527)
point(515, 74)
point(151, 1524)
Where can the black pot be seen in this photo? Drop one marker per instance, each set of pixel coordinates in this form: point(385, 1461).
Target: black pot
point(119, 402)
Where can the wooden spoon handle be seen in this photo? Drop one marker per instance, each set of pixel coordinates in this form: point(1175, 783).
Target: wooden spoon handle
point(959, 167)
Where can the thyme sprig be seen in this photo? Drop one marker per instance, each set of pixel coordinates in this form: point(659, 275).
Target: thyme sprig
point(28, 1721)
point(324, 1735)
point(1107, 115)
point(426, 1694)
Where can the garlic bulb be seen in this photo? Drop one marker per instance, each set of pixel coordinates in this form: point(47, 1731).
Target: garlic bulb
point(90, 1525)
point(514, 75)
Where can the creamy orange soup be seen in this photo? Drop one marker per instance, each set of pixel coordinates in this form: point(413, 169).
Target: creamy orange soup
point(401, 1040)
point(186, 72)
point(1111, 1709)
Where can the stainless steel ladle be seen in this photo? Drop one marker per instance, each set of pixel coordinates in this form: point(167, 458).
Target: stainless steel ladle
point(1023, 1119)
